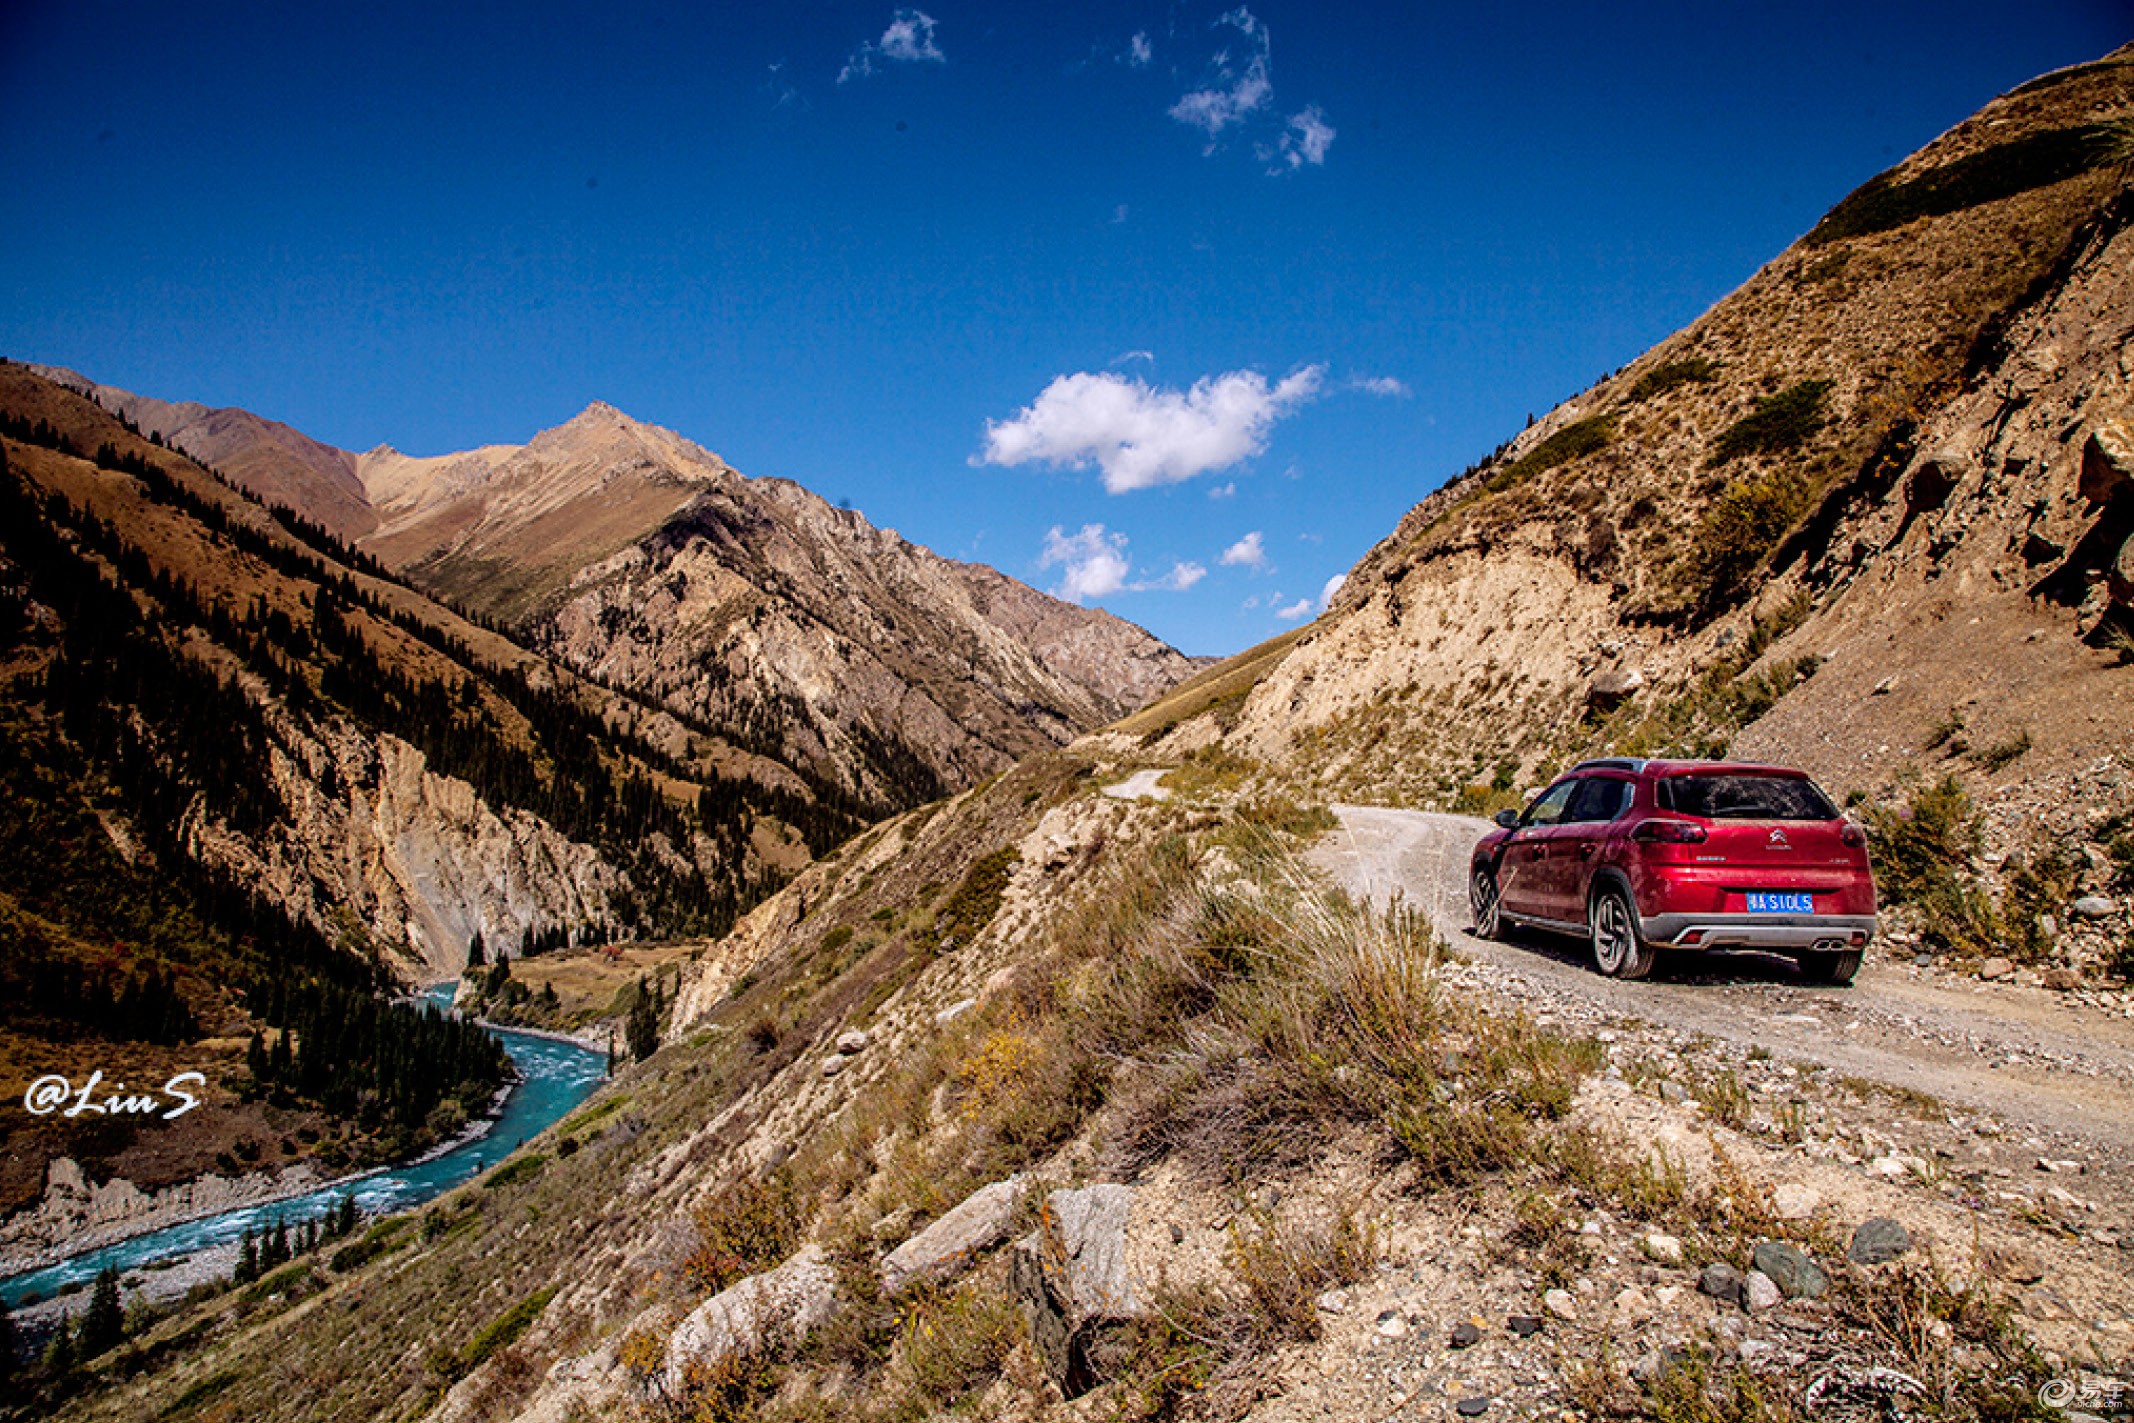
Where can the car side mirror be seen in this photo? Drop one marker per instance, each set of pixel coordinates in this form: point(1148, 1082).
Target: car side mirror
point(1509, 819)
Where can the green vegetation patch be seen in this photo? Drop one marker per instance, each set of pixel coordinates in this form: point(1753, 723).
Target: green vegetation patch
point(1779, 423)
point(1690, 370)
point(1572, 442)
point(1740, 529)
point(2038, 161)
point(973, 904)
point(506, 1328)
point(579, 1122)
point(522, 1168)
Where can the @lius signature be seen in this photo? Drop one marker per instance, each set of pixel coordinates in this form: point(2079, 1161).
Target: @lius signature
point(54, 1093)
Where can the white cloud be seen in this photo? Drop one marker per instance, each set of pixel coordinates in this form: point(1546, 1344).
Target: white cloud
point(1096, 565)
point(1237, 90)
point(1124, 356)
point(1247, 552)
point(1139, 52)
point(1095, 562)
point(1181, 577)
point(1380, 385)
point(1306, 140)
point(1333, 586)
point(1142, 436)
point(1224, 490)
point(1294, 611)
point(908, 40)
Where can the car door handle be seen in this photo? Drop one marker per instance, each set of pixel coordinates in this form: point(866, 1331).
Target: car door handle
point(1586, 851)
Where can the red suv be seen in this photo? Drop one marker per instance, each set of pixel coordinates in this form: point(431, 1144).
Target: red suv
point(1644, 855)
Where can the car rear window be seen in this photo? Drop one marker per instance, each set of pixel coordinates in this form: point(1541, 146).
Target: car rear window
point(1735, 797)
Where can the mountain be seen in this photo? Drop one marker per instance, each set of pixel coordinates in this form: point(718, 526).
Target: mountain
point(750, 606)
point(1880, 486)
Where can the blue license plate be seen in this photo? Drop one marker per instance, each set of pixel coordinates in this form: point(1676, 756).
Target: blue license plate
point(1764, 903)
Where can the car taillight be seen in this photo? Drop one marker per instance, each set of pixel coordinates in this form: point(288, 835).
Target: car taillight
point(1854, 836)
point(1668, 832)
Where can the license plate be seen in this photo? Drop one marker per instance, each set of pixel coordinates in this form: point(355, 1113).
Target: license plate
point(1790, 903)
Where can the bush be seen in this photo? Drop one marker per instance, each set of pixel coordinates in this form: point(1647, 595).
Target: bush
point(1740, 529)
point(1690, 370)
point(519, 1168)
point(506, 1328)
point(2000, 172)
point(744, 1230)
point(1571, 442)
point(1778, 423)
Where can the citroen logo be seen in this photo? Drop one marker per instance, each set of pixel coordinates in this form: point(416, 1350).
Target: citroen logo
point(1778, 839)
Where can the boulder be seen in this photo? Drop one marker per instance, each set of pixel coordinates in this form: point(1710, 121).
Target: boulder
point(1662, 1247)
point(1611, 689)
point(2092, 906)
point(2107, 462)
point(1995, 967)
point(779, 1306)
point(1759, 1292)
point(1722, 1282)
point(1076, 1285)
point(1796, 1276)
point(946, 1247)
point(1878, 1240)
point(851, 1043)
point(1932, 480)
point(1795, 1200)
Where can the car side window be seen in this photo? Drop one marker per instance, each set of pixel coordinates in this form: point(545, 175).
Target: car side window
point(1599, 798)
point(1549, 810)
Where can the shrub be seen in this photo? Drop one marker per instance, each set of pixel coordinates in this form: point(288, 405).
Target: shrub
point(973, 904)
point(519, 1168)
point(743, 1230)
point(1741, 527)
point(1571, 442)
point(1690, 370)
point(506, 1328)
point(1989, 176)
point(1778, 423)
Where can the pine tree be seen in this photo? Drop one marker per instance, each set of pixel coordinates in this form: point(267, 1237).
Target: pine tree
point(642, 1029)
point(346, 1224)
point(476, 957)
point(105, 1323)
point(248, 1259)
point(9, 1343)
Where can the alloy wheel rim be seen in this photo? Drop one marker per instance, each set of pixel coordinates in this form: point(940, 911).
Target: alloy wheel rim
point(1483, 894)
point(1610, 924)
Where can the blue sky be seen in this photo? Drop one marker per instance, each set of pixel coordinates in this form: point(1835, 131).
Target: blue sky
point(1174, 307)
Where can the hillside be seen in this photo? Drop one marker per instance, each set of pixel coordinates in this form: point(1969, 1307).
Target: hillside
point(748, 605)
point(1141, 1082)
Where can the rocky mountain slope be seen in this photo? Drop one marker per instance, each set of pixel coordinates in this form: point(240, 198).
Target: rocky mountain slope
point(746, 605)
point(1900, 448)
point(1074, 1096)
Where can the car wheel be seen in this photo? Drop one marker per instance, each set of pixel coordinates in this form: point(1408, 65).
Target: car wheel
point(1487, 904)
point(1836, 969)
point(1619, 950)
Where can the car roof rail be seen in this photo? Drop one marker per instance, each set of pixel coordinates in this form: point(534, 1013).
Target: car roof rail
point(1612, 763)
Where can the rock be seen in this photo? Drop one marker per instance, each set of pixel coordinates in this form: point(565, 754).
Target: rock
point(1878, 1240)
point(1473, 1407)
point(1753, 1349)
point(1674, 1092)
point(2014, 1264)
point(1391, 1325)
point(831, 1066)
point(1073, 1278)
point(1995, 967)
point(2107, 463)
point(1722, 1282)
point(1465, 1335)
point(2038, 549)
point(780, 1306)
point(955, 1010)
point(1884, 687)
point(1333, 1302)
point(1662, 1247)
point(2061, 979)
point(852, 1043)
point(1650, 1365)
point(1560, 1304)
point(1794, 1200)
point(1666, 1295)
point(1933, 479)
point(1526, 1326)
point(1797, 1276)
point(1759, 1292)
point(948, 1246)
point(2092, 906)
point(1611, 689)
point(1631, 1304)
point(1895, 1167)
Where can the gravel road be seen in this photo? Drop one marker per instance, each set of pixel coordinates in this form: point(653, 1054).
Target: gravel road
point(2025, 1055)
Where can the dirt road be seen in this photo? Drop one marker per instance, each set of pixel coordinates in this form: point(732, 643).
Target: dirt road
point(2027, 1056)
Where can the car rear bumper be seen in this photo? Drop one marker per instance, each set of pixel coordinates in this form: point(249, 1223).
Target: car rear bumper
point(1793, 933)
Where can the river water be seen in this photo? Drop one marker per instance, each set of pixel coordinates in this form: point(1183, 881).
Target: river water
point(554, 1077)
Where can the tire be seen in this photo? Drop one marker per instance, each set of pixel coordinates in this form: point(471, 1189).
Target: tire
point(1619, 949)
point(1487, 904)
point(1836, 969)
